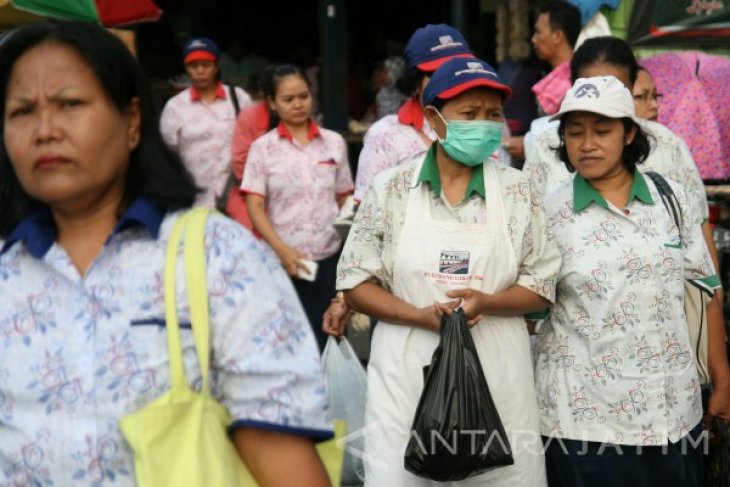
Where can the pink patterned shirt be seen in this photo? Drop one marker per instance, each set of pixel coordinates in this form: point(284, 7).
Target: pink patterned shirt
point(551, 90)
point(390, 141)
point(300, 185)
point(201, 134)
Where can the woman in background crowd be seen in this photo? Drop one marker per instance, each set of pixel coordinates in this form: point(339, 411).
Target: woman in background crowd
point(646, 98)
point(297, 177)
point(197, 123)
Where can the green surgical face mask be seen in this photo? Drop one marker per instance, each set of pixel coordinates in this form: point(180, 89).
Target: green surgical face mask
point(471, 142)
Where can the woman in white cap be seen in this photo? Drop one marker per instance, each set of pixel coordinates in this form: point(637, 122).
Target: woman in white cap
point(450, 202)
point(619, 395)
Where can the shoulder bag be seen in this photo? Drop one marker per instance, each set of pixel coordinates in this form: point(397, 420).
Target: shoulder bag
point(180, 439)
point(696, 293)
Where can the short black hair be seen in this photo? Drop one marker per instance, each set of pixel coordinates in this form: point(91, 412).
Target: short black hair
point(154, 171)
point(606, 49)
point(634, 153)
point(563, 16)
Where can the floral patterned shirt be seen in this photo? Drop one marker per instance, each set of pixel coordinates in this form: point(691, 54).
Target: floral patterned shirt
point(369, 252)
point(79, 352)
point(300, 185)
point(670, 157)
point(390, 141)
point(200, 133)
point(614, 361)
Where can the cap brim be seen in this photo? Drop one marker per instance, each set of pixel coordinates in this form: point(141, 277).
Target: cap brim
point(605, 111)
point(475, 83)
point(199, 56)
point(434, 64)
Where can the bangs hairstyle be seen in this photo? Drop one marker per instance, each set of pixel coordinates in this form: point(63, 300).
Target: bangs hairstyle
point(634, 153)
point(154, 171)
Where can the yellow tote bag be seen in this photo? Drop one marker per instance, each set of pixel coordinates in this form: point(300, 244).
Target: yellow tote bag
point(180, 439)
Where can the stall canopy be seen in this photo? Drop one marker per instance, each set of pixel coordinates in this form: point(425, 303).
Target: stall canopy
point(680, 23)
point(111, 13)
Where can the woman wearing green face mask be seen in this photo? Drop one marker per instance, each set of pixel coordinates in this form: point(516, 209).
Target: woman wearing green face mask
point(443, 231)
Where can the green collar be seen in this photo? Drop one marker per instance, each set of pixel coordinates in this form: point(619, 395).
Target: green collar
point(430, 174)
point(584, 193)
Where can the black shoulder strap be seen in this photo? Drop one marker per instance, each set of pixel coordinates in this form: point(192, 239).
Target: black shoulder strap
point(234, 99)
point(669, 199)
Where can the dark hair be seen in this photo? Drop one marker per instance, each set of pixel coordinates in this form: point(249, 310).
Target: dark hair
point(410, 80)
point(153, 172)
point(276, 73)
point(634, 153)
point(563, 16)
point(261, 82)
point(606, 49)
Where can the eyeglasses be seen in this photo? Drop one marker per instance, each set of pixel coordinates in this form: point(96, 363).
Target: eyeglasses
point(645, 97)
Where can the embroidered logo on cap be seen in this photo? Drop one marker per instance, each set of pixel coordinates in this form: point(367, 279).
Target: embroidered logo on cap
point(197, 43)
point(454, 262)
point(589, 90)
point(475, 68)
point(446, 42)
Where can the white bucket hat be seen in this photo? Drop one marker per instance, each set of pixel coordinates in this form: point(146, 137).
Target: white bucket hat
point(604, 95)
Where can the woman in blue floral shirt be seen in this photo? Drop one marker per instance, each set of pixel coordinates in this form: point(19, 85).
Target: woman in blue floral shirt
point(88, 195)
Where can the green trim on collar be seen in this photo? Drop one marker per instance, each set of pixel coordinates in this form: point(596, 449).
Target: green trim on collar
point(640, 190)
point(584, 193)
point(430, 174)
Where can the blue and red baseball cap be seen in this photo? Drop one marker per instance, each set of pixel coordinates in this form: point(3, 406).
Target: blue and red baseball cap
point(200, 49)
point(460, 74)
point(429, 47)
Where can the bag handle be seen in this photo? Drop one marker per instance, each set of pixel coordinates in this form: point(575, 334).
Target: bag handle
point(193, 224)
point(669, 199)
point(234, 99)
point(196, 282)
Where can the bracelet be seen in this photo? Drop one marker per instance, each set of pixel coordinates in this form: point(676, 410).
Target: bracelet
point(339, 297)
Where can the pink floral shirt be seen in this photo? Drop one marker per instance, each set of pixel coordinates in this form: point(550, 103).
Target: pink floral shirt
point(390, 141)
point(300, 185)
point(201, 134)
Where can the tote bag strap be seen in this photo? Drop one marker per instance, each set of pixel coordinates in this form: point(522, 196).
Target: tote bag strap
point(196, 283)
point(192, 223)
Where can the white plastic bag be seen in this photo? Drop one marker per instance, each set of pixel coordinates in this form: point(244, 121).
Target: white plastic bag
point(345, 379)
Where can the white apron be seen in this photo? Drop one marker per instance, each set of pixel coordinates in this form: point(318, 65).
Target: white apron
point(432, 258)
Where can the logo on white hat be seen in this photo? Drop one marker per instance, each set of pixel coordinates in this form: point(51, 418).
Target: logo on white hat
point(589, 90)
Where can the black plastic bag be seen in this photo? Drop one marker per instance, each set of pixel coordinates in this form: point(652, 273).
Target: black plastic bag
point(456, 431)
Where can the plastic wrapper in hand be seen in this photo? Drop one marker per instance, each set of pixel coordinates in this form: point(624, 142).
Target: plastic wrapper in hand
point(456, 431)
point(346, 383)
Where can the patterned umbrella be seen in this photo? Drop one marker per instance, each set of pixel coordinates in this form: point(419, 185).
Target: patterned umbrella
point(696, 105)
point(107, 12)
